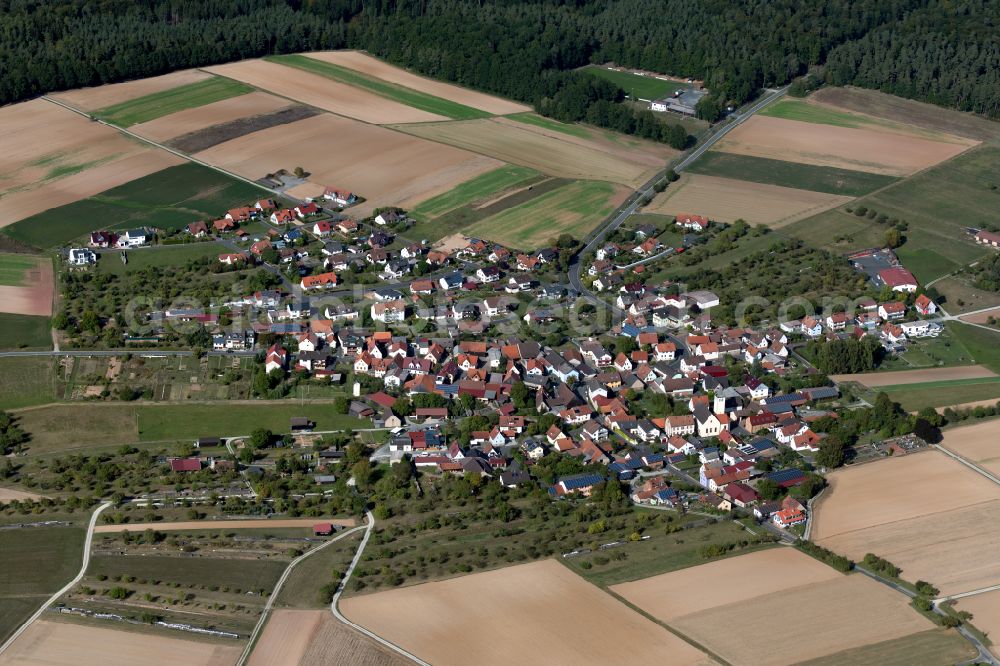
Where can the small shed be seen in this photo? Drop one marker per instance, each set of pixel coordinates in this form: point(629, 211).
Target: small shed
point(300, 423)
point(206, 441)
point(322, 529)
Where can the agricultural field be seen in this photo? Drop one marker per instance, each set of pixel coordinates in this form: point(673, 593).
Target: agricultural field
point(322, 92)
point(161, 256)
point(645, 86)
point(914, 397)
point(814, 110)
point(54, 157)
point(26, 285)
point(60, 429)
point(830, 180)
point(315, 638)
point(884, 508)
point(709, 604)
point(390, 91)
point(728, 200)
point(901, 377)
point(302, 527)
point(344, 153)
point(486, 186)
point(573, 209)
point(99, 97)
point(872, 150)
point(980, 343)
point(933, 646)
point(985, 609)
point(167, 199)
point(979, 443)
point(24, 332)
point(304, 587)
point(159, 104)
point(27, 381)
point(178, 123)
point(576, 618)
point(378, 69)
point(52, 641)
point(549, 151)
point(37, 562)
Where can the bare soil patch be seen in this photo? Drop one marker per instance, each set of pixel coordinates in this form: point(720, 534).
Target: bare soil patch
point(979, 443)
point(875, 379)
point(518, 143)
point(224, 525)
point(192, 120)
point(555, 616)
point(450, 244)
point(99, 97)
point(727, 200)
point(48, 642)
point(920, 114)
point(711, 604)
point(336, 643)
point(327, 94)
point(985, 609)
point(981, 317)
point(871, 150)
point(212, 136)
point(286, 637)
point(387, 168)
point(8, 494)
point(34, 297)
point(53, 157)
point(366, 64)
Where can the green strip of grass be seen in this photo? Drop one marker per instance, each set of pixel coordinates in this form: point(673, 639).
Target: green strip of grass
point(982, 345)
point(472, 190)
point(164, 103)
point(397, 93)
point(13, 268)
point(792, 109)
point(645, 87)
point(943, 384)
point(24, 332)
point(789, 174)
point(549, 124)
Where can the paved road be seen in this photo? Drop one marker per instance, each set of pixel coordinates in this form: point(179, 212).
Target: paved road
point(340, 590)
point(66, 588)
point(255, 634)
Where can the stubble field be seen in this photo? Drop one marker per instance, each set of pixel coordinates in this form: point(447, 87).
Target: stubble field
point(727, 200)
point(864, 149)
point(314, 90)
point(315, 638)
point(383, 166)
point(99, 97)
point(711, 603)
point(550, 615)
point(926, 513)
point(979, 443)
point(902, 377)
point(985, 609)
point(32, 294)
point(53, 157)
point(49, 642)
point(366, 64)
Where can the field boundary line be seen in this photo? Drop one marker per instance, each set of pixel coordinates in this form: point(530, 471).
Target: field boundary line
point(255, 634)
point(68, 586)
point(971, 465)
point(343, 585)
point(903, 520)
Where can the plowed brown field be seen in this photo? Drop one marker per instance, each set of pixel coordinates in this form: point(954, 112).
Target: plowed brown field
point(192, 120)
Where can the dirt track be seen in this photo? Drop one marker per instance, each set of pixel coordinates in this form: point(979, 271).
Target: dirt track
point(224, 525)
point(875, 379)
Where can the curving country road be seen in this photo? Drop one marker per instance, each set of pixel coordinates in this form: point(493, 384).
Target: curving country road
point(66, 588)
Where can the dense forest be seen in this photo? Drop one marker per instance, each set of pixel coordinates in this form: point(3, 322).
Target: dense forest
point(944, 52)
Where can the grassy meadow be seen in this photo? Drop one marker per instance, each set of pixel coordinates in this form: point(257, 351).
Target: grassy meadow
point(643, 87)
point(14, 266)
point(164, 103)
point(481, 187)
point(789, 174)
point(24, 332)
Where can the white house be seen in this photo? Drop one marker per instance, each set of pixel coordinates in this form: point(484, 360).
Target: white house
point(82, 256)
point(133, 238)
point(390, 312)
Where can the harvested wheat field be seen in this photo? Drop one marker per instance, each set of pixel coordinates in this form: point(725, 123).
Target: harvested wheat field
point(224, 525)
point(323, 93)
point(947, 536)
point(727, 200)
point(979, 443)
point(90, 99)
point(383, 166)
point(50, 642)
point(555, 617)
point(329, 642)
point(901, 377)
point(518, 143)
point(33, 296)
point(861, 149)
point(287, 635)
point(985, 609)
point(53, 157)
point(711, 603)
point(366, 64)
point(191, 120)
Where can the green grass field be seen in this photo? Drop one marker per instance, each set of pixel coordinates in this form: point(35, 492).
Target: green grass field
point(161, 255)
point(554, 125)
point(24, 332)
point(14, 266)
point(37, 561)
point(164, 103)
point(793, 109)
point(982, 345)
point(925, 263)
point(246, 574)
point(643, 87)
point(575, 208)
point(168, 199)
point(397, 93)
point(480, 187)
point(302, 588)
point(27, 381)
point(64, 428)
point(914, 397)
point(934, 646)
point(789, 174)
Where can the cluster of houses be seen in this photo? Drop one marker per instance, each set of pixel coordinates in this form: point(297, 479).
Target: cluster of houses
point(871, 318)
